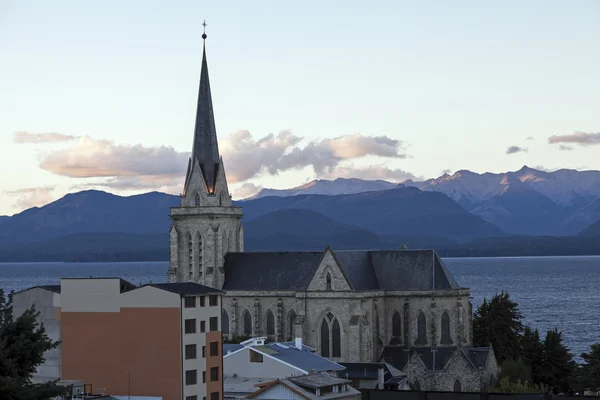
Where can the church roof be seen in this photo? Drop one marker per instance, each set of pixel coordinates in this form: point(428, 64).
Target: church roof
point(364, 269)
point(435, 359)
point(205, 149)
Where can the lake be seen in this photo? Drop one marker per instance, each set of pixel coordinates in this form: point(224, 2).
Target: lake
point(561, 292)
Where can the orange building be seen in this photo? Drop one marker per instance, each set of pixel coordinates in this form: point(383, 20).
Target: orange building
point(154, 340)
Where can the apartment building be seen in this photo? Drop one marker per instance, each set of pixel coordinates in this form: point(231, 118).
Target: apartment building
point(152, 340)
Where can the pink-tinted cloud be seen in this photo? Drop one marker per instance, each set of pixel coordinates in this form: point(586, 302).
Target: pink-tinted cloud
point(32, 197)
point(580, 138)
point(50, 137)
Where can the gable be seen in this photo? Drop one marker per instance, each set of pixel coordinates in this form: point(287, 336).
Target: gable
point(239, 362)
point(329, 267)
point(278, 391)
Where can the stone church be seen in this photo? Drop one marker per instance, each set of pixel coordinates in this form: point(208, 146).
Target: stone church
point(399, 306)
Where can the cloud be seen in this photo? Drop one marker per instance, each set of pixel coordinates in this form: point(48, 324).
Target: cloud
point(580, 138)
point(32, 197)
point(246, 157)
point(515, 149)
point(529, 138)
point(371, 173)
point(565, 147)
point(51, 137)
point(246, 190)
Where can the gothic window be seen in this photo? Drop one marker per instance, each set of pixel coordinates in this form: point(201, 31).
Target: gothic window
point(270, 323)
point(199, 250)
point(190, 256)
point(396, 325)
point(247, 323)
point(197, 200)
point(421, 329)
point(331, 336)
point(225, 323)
point(416, 385)
point(446, 339)
point(325, 338)
point(457, 386)
point(328, 279)
point(292, 319)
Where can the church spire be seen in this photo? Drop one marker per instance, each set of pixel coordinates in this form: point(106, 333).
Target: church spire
point(205, 148)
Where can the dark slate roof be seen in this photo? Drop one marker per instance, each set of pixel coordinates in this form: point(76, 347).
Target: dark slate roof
point(205, 149)
point(305, 360)
point(270, 271)
point(398, 356)
point(361, 370)
point(52, 288)
point(186, 288)
point(317, 380)
point(365, 270)
point(478, 355)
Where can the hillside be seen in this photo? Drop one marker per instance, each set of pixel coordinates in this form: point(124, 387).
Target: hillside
point(592, 231)
point(323, 186)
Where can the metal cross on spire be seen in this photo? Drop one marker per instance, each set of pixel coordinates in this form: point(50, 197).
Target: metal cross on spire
point(204, 30)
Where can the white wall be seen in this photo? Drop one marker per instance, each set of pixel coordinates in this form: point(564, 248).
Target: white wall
point(90, 295)
point(239, 364)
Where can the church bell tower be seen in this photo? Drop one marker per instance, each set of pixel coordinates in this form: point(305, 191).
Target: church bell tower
point(205, 225)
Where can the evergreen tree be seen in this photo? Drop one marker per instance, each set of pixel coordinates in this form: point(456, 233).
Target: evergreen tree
point(23, 342)
point(590, 370)
point(557, 363)
point(498, 322)
point(532, 351)
point(519, 387)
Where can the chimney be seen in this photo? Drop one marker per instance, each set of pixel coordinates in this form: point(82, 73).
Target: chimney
point(298, 343)
point(380, 379)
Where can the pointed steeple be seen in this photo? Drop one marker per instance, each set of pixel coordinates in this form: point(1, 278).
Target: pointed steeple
point(205, 149)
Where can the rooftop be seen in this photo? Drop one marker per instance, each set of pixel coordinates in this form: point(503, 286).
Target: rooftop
point(186, 288)
point(315, 381)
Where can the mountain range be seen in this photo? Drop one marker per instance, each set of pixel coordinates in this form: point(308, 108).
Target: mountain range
point(523, 202)
point(464, 214)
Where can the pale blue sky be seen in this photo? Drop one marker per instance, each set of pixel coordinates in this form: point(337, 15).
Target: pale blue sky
point(458, 82)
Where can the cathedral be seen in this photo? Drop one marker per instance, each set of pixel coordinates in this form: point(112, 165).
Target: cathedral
point(398, 306)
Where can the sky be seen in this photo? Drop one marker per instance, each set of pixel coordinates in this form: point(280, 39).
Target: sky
point(102, 95)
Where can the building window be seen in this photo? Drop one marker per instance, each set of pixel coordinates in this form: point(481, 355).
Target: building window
point(270, 323)
point(396, 325)
point(202, 301)
point(214, 324)
point(214, 374)
point(331, 336)
point(457, 386)
point(225, 323)
point(191, 397)
point(213, 300)
point(214, 396)
point(190, 326)
point(292, 319)
point(416, 385)
point(197, 200)
point(255, 357)
point(203, 351)
point(190, 351)
point(247, 323)
point(214, 349)
point(202, 326)
point(328, 281)
point(446, 339)
point(421, 329)
point(204, 377)
point(190, 302)
point(191, 377)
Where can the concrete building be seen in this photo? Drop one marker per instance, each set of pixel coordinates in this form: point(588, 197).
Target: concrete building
point(155, 340)
point(348, 305)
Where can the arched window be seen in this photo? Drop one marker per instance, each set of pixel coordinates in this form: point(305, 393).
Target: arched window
point(336, 339)
point(324, 339)
point(291, 319)
point(396, 325)
point(197, 200)
point(457, 386)
point(416, 385)
point(331, 336)
point(446, 339)
point(247, 323)
point(328, 279)
point(190, 257)
point(199, 250)
point(421, 329)
point(225, 323)
point(270, 323)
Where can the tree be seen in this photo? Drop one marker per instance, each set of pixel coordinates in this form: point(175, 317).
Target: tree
point(515, 371)
point(557, 363)
point(590, 369)
point(237, 339)
point(518, 387)
point(498, 322)
point(532, 351)
point(23, 342)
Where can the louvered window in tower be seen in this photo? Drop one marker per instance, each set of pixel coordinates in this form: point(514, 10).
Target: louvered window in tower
point(247, 323)
point(190, 257)
point(446, 339)
point(291, 319)
point(197, 200)
point(225, 323)
point(199, 250)
point(396, 325)
point(328, 281)
point(421, 329)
